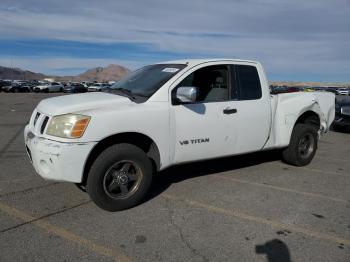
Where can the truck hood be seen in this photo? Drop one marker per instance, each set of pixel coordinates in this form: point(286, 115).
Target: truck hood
point(80, 102)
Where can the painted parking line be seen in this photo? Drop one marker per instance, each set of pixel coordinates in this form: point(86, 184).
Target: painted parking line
point(16, 180)
point(11, 140)
point(27, 189)
point(260, 220)
point(313, 170)
point(281, 189)
point(321, 171)
point(64, 233)
point(333, 159)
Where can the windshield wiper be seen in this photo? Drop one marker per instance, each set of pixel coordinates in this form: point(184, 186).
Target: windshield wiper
point(125, 91)
point(135, 97)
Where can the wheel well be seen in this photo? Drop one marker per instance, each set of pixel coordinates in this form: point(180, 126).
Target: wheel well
point(140, 140)
point(310, 117)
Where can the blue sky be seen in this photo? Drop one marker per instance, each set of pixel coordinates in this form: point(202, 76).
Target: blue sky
point(295, 40)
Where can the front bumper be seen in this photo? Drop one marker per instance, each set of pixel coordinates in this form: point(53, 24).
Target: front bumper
point(56, 160)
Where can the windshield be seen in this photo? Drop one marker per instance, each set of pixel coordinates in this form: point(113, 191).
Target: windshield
point(147, 80)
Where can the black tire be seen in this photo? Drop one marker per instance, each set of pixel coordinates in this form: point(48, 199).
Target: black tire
point(46, 90)
point(302, 146)
point(100, 172)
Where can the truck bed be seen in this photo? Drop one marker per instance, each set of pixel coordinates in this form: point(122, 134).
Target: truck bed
point(285, 109)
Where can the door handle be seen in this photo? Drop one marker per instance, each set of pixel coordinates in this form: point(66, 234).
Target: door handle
point(228, 111)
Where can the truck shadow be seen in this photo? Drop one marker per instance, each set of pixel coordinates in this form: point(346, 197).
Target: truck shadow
point(182, 172)
point(275, 251)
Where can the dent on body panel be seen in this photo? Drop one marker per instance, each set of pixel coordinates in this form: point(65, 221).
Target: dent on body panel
point(283, 118)
point(289, 119)
point(289, 108)
point(50, 148)
point(323, 119)
point(315, 107)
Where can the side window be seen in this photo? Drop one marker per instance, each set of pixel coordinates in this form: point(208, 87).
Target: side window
point(212, 83)
point(248, 82)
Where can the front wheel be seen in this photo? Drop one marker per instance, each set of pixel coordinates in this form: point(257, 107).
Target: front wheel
point(302, 146)
point(120, 177)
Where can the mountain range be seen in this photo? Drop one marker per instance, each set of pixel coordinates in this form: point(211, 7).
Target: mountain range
point(19, 74)
point(112, 72)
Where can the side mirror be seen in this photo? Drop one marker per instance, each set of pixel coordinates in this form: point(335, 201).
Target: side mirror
point(186, 94)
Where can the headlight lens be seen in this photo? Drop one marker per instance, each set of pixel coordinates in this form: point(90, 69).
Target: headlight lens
point(68, 126)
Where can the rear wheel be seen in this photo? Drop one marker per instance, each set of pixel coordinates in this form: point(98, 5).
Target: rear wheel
point(302, 146)
point(120, 177)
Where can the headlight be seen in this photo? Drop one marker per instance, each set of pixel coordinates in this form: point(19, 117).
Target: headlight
point(68, 126)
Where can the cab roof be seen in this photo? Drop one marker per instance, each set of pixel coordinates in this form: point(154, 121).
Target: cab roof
point(193, 62)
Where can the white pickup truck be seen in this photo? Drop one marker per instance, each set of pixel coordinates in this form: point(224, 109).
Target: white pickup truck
point(111, 143)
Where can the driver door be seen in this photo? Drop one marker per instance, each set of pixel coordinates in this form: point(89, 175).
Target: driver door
point(200, 129)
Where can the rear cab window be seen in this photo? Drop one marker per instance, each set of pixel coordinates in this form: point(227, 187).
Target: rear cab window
point(247, 83)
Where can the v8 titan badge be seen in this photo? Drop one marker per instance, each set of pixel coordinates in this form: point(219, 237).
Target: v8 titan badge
point(194, 141)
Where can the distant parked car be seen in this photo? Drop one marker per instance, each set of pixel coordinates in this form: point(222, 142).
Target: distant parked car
point(98, 87)
point(342, 113)
point(284, 89)
point(319, 89)
point(75, 88)
point(4, 83)
point(17, 88)
point(343, 91)
point(308, 89)
point(50, 87)
point(330, 89)
point(293, 89)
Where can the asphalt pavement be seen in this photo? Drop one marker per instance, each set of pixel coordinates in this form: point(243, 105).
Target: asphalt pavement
point(244, 208)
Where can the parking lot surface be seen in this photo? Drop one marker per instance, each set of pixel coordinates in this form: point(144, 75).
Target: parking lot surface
point(245, 208)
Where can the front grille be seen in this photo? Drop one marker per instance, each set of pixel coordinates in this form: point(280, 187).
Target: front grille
point(38, 122)
point(42, 129)
point(36, 118)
